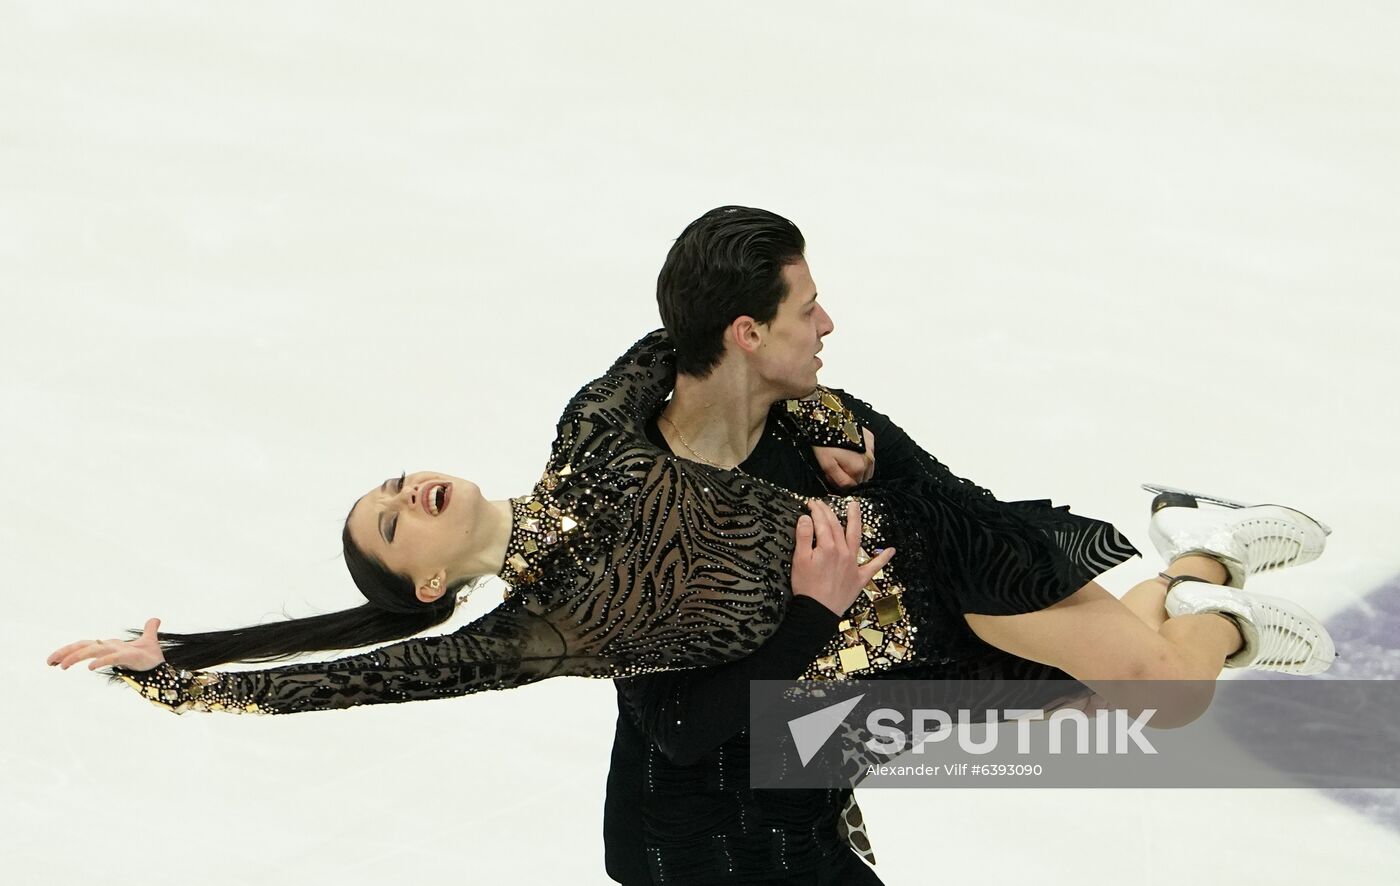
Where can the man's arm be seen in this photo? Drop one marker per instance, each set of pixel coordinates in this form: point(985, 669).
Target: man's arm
point(687, 714)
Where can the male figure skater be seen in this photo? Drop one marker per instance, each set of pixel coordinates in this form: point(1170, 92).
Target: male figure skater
point(678, 806)
point(739, 303)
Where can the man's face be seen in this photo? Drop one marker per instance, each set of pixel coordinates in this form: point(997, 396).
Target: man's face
point(788, 356)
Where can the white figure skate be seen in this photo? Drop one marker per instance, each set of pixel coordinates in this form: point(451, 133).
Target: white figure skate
point(1279, 635)
point(1246, 538)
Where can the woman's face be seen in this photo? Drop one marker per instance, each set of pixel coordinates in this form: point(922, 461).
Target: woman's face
point(419, 525)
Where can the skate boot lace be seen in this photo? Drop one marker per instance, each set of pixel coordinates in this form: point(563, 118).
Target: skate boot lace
point(1285, 642)
point(1270, 544)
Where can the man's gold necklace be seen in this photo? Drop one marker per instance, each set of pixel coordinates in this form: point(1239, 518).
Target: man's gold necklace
point(686, 444)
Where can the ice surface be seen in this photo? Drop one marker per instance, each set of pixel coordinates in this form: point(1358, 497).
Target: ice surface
point(254, 260)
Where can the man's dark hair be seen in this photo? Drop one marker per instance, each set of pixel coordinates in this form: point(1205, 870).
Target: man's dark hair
point(726, 264)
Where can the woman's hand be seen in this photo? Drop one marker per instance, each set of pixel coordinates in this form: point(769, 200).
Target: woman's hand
point(843, 468)
point(140, 654)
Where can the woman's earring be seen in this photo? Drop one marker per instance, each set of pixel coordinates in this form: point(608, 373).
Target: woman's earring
point(434, 583)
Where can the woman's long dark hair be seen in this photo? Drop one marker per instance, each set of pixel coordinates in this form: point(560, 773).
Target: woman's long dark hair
point(391, 613)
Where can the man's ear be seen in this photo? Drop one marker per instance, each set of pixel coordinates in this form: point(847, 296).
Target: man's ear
point(746, 334)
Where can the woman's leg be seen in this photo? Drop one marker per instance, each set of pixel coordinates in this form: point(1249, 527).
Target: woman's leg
point(1283, 636)
point(1147, 599)
point(1197, 640)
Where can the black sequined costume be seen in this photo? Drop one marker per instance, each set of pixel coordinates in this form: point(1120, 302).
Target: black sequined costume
point(626, 560)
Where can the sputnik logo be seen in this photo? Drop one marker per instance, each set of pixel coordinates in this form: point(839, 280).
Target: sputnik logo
point(810, 731)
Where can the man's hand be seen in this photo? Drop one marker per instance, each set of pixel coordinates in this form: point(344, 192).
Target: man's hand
point(824, 560)
point(843, 468)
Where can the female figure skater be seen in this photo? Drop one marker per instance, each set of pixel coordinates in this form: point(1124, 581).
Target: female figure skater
point(626, 559)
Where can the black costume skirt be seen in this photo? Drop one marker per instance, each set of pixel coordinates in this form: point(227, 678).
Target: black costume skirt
point(962, 551)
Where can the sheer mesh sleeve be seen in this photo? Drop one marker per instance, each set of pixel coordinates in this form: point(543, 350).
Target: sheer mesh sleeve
point(608, 416)
point(507, 647)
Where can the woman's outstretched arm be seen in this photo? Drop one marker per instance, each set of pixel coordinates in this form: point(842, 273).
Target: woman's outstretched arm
point(657, 621)
point(510, 646)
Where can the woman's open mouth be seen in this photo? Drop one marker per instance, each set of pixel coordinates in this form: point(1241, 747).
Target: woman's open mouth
point(436, 497)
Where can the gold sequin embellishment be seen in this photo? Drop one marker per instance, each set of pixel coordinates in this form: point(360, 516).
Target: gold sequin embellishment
point(538, 524)
point(826, 420)
point(875, 633)
point(179, 690)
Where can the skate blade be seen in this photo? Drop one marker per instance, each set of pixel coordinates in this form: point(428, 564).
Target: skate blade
point(1224, 502)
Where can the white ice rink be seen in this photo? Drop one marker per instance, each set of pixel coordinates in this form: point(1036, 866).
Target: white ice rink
point(257, 257)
